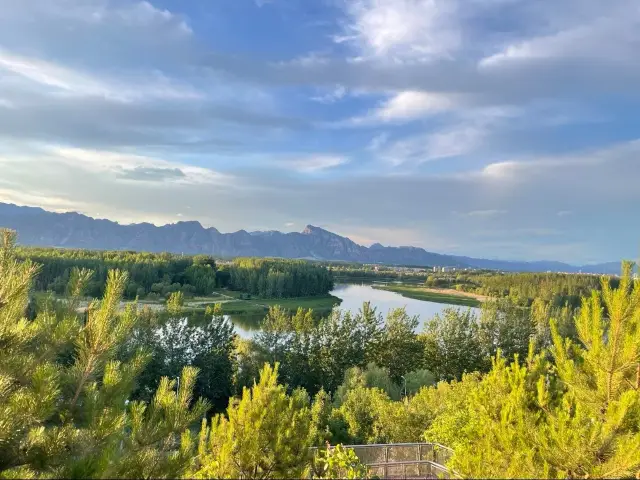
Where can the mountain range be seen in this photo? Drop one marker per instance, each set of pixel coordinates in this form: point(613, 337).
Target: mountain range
point(38, 227)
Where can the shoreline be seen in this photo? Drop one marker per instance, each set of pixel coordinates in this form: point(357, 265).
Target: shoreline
point(446, 296)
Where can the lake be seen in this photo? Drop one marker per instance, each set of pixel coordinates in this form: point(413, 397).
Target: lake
point(353, 296)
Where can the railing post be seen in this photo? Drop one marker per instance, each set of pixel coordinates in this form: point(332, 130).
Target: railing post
point(386, 462)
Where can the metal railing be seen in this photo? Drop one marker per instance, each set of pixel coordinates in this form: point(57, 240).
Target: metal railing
point(405, 460)
point(415, 469)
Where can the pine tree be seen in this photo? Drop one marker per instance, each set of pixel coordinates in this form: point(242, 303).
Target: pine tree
point(267, 434)
point(596, 430)
point(579, 417)
point(63, 395)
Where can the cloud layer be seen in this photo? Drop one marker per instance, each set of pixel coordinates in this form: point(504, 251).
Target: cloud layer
point(498, 128)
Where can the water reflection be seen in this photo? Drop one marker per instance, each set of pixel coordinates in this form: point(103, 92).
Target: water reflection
point(353, 296)
point(245, 325)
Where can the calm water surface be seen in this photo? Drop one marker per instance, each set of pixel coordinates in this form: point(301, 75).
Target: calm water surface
point(353, 296)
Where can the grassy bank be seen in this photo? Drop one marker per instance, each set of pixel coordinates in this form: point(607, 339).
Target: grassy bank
point(232, 303)
point(237, 303)
point(429, 295)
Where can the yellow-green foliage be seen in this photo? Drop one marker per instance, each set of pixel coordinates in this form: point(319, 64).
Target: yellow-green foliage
point(579, 416)
point(63, 393)
point(267, 434)
point(571, 408)
point(175, 302)
point(338, 462)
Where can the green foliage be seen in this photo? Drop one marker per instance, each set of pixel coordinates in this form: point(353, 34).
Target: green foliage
point(362, 410)
point(64, 408)
point(531, 388)
point(414, 381)
point(176, 343)
point(315, 355)
point(269, 278)
point(452, 346)
point(576, 417)
point(506, 326)
point(267, 434)
point(401, 350)
point(338, 462)
point(557, 289)
point(366, 414)
point(158, 274)
point(175, 303)
point(372, 377)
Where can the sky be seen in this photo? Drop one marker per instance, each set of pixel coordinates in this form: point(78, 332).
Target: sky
point(492, 128)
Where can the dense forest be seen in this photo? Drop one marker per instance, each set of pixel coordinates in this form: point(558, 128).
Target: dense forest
point(539, 392)
point(151, 275)
point(156, 276)
point(557, 288)
point(268, 278)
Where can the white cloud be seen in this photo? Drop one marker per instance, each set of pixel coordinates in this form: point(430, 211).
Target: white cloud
point(500, 170)
point(127, 167)
point(378, 142)
point(402, 29)
point(314, 163)
point(153, 86)
point(453, 141)
point(133, 14)
point(604, 32)
point(409, 105)
point(403, 107)
point(484, 213)
point(335, 94)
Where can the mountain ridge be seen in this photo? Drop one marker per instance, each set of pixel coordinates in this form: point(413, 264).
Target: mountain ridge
point(39, 227)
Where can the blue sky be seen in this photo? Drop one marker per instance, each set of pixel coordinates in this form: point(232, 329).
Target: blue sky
point(494, 128)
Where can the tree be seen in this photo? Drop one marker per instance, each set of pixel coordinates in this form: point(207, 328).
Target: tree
point(451, 345)
point(401, 350)
point(363, 412)
point(577, 418)
point(63, 394)
point(506, 326)
point(338, 462)
point(372, 377)
point(178, 342)
point(415, 381)
point(264, 435)
point(315, 355)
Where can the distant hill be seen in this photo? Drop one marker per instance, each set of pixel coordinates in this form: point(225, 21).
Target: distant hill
point(38, 227)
